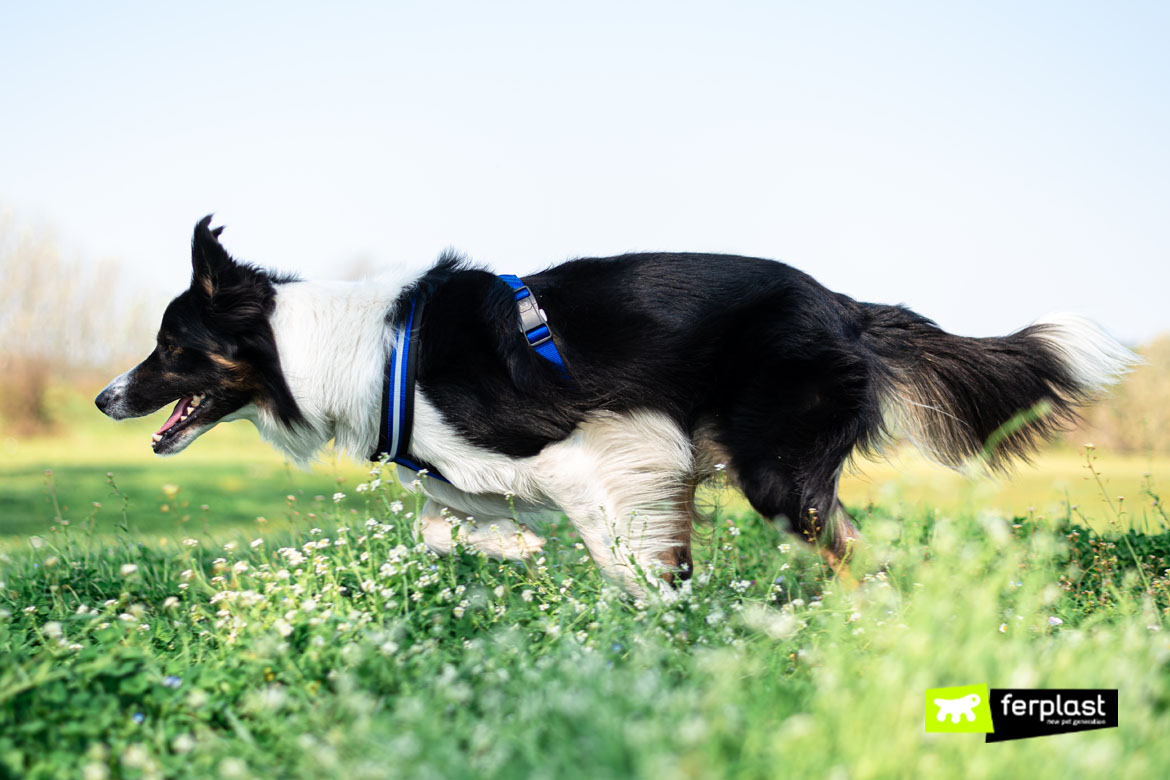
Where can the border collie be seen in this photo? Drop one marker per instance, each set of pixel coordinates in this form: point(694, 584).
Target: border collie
point(672, 367)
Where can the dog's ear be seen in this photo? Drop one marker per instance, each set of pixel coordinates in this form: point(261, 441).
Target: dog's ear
point(212, 268)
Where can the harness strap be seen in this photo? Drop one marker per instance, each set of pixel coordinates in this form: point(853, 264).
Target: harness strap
point(398, 395)
point(534, 325)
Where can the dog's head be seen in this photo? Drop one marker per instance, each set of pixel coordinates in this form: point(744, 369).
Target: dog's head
point(215, 354)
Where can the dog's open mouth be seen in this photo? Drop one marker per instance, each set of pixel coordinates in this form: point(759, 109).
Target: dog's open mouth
point(187, 412)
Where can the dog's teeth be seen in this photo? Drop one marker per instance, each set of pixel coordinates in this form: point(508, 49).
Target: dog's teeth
point(156, 438)
point(182, 417)
point(196, 400)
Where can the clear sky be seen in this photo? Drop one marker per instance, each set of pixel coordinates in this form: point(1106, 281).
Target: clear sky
point(984, 163)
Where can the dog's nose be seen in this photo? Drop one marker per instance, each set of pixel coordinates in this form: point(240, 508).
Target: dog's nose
point(103, 400)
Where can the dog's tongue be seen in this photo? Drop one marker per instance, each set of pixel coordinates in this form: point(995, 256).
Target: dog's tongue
point(180, 409)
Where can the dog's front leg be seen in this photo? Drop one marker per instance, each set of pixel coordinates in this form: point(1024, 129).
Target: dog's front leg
point(441, 528)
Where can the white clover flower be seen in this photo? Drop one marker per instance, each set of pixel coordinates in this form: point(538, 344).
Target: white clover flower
point(128, 569)
point(94, 771)
point(52, 629)
point(184, 743)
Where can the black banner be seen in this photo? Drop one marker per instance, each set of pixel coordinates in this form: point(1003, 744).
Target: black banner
point(1020, 713)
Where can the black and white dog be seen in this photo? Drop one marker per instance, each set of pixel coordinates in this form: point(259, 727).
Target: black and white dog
point(668, 368)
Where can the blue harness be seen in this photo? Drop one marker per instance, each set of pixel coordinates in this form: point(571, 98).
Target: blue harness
point(402, 365)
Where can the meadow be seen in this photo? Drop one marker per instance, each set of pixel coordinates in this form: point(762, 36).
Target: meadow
point(170, 633)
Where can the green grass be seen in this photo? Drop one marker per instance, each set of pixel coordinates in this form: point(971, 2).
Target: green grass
point(225, 480)
point(351, 651)
point(138, 641)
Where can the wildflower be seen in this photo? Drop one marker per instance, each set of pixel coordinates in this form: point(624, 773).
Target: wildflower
point(230, 547)
point(232, 768)
point(170, 602)
point(784, 548)
point(94, 771)
point(172, 681)
point(255, 543)
point(128, 569)
point(338, 498)
point(52, 629)
point(139, 717)
point(499, 591)
point(136, 756)
point(396, 507)
point(527, 595)
point(240, 567)
point(1003, 628)
point(1053, 620)
point(190, 542)
point(184, 743)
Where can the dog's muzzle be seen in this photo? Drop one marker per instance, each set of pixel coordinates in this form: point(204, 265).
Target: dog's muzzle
point(111, 400)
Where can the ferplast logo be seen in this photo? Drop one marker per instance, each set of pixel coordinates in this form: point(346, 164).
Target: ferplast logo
point(963, 709)
point(1019, 713)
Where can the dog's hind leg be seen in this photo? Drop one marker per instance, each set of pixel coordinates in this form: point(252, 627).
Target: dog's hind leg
point(624, 481)
point(441, 528)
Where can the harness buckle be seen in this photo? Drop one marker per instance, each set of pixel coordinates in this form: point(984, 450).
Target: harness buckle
point(533, 321)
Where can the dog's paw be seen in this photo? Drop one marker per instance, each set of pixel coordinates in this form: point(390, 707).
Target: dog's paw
point(502, 538)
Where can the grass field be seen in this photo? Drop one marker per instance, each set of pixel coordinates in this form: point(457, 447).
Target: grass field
point(324, 642)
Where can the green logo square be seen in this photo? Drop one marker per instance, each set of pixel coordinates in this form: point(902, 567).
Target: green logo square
point(964, 709)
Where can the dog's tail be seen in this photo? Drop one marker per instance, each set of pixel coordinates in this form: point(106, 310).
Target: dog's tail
point(993, 399)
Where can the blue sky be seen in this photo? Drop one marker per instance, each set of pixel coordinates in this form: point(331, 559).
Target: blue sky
point(984, 163)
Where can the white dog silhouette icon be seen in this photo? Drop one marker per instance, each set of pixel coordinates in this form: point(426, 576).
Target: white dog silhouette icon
point(963, 706)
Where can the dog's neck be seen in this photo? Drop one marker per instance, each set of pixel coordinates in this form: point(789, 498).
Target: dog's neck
point(333, 340)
